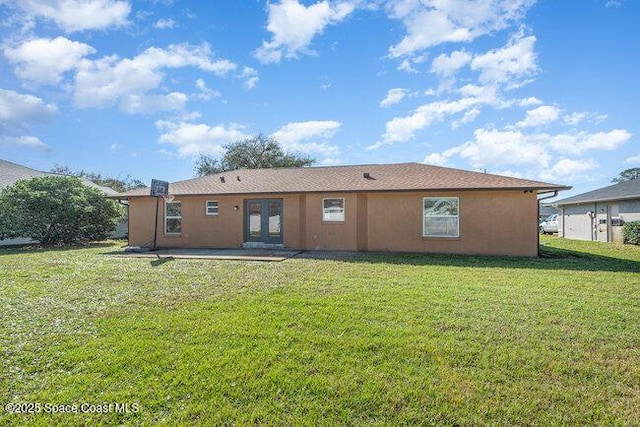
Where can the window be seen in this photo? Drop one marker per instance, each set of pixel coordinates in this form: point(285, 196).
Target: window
point(333, 209)
point(440, 217)
point(212, 207)
point(173, 218)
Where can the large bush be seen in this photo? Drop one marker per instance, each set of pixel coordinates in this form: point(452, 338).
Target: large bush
point(56, 210)
point(631, 232)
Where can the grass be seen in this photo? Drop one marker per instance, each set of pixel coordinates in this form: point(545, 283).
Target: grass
point(381, 339)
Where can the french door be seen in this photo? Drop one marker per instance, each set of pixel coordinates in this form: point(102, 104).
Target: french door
point(263, 220)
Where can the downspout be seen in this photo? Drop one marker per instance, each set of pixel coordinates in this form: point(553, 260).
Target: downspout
point(126, 204)
point(555, 193)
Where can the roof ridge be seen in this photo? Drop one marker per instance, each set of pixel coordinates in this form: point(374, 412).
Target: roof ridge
point(368, 177)
point(23, 166)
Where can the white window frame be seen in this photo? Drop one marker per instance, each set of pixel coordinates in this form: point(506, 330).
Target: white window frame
point(325, 213)
point(425, 216)
point(206, 208)
point(168, 217)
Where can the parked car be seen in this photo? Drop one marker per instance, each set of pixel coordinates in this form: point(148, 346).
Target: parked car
point(549, 225)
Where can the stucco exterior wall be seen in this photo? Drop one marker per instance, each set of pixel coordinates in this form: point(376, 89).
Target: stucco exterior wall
point(491, 223)
point(578, 225)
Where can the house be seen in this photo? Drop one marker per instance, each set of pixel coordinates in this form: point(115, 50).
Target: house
point(11, 172)
point(407, 207)
point(600, 214)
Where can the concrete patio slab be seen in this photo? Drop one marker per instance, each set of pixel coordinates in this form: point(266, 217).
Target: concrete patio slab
point(240, 254)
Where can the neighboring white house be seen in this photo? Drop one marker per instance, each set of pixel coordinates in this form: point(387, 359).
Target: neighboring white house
point(600, 214)
point(11, 172)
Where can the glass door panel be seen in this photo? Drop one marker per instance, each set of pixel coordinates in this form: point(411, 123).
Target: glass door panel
point(255, 221)
point(275, 219)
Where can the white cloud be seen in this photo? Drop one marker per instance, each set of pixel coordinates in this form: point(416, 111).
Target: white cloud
point(468, 117)
point(605, 140)
point(17, 108)
point(45, 60)
point(429, 23)
point(578, 143)
point(205, 92)
point(491, 148)
point(148, 104)
point(78, 15)
point(529, 102)
point(441, 159)
point(508, 172)
point(401, 129)
point(293, 26)
point(633, 159)
point(192, 138)
point(494, 147)
point(447, 65)
point(574, 118)
point(406, 65)
point(112, 80)
point(566, 169)
point(165, 24)
point(24, 142)
point(394, 96)
point(295, 137)
point(251, 77)
point(509, 66)
point(331, 161)
point(543, 115)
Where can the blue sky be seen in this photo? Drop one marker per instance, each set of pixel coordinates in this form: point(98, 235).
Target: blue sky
point(543, 89)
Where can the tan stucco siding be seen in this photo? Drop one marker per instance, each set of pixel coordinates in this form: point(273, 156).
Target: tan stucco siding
point(198, 229)
point(331, 235)
point(491, 222)
point(141, 210)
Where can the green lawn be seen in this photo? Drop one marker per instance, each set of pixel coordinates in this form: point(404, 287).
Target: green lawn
point(380, 339)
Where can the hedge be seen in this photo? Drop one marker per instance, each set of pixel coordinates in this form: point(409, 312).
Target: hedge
point(631, 232)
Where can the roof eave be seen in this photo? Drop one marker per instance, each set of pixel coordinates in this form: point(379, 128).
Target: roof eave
point(600, 199)
point(401, 190)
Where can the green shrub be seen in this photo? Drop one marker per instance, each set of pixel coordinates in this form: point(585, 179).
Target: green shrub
point(56, 210)
point(631, 232)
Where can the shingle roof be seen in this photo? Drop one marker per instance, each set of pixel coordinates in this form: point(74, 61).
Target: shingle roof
point(10, 173)
point(385, 177)
point(621, 191)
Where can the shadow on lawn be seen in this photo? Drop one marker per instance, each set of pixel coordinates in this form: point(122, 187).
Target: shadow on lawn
point(161, 260)
point(550, 259)
point(30, 248)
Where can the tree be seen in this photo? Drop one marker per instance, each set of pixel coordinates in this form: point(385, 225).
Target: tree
point(56, 210)
point(119, 185)
point(252, 153)
point(627, 175)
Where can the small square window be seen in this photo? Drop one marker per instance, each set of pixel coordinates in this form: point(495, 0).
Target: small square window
point(212, 207)
point(333, 209)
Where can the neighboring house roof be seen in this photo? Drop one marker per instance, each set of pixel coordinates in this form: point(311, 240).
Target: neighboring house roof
point(547, 209)
point(11, 172)
point(385, 177)
point(621, 191)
